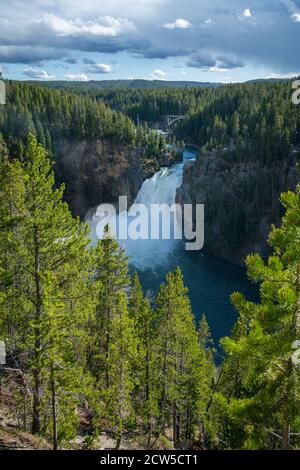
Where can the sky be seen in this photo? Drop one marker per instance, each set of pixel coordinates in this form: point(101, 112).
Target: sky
point(197, 40)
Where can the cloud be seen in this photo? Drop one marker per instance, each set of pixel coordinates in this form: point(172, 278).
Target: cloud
point(61, 36)
point(162, 52)
point(29, 55)
point(87, 60)
point(208, 23)
point(103, 26)
point(284, 75)
point(99, 68)
point(247, 13)
point(71, 60)
point(38, 74)
point(158, 75)
point(229, 62)
point(77, 77)
point(44, 30)
point(296, 17)
point(201, 60)
point(207, 61)
point(291, 6)
point(180, 23)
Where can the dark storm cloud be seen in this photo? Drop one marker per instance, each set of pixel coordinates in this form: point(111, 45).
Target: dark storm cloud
point(104, 34)
point(229, 62)
point(29, 55)
point(71, 60)
point(48, 30)
point(201, 60)
point(163, 52)
point(205, 60)
point(88, 61)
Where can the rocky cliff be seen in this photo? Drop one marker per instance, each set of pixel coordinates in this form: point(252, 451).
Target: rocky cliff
point(241, 201)
point(97, 171)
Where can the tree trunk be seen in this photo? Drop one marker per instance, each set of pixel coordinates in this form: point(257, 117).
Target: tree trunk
point(54, 416)
point(36, 404)
point(163, 395)
point(36, 421)
point(118, 444)
point(285, 436)
point(176, 427)
point(107, 344)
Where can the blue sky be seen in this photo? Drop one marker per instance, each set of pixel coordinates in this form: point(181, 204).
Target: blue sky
point(203, 40)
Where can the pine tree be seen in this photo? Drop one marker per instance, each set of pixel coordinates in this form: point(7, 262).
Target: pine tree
point(112, 278)
point(143, 316)
point(46, 273)
point(181, 362)
point(113, 347)
point(122, 357)
point(264, 396)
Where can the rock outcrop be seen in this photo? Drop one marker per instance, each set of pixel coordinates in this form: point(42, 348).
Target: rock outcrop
point(96, 171)
point(241, 201)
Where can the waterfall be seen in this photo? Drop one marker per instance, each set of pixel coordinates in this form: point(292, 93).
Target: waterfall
point(159, 189)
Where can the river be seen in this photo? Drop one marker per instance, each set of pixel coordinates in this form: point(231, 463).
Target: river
point(210, 281)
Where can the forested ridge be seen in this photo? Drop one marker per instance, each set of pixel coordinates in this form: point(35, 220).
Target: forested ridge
point(259, 119)
point(249, 147)
point(83, 133)
point(52, 114)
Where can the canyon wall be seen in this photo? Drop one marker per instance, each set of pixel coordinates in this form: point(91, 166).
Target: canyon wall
point(241, 201)
point(97, 171)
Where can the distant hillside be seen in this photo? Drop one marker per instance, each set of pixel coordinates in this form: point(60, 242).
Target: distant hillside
point(103, 84)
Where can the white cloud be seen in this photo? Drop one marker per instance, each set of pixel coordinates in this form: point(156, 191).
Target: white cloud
point(291, 6)
point(216, 69)
point(77, 77)
point(180, 23)
point(296, 17)
point(284, 75)
point(247, 13)
point(158, 75)
point(38, 74)
point(207, 23)
point(99, 68)
point(106, 26)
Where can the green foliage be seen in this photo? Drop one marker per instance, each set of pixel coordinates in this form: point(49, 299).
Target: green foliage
point(52, 114)
point(45, 277)
point(183, 382)
point(258, 121)
point(260, 382)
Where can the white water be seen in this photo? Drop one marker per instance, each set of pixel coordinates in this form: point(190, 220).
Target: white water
point(159, 189)
point(210, 282)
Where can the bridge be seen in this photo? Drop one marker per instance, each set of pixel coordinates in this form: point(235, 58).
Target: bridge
point(173, 118)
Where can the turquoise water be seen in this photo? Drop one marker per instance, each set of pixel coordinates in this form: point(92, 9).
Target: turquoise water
point(210, 282)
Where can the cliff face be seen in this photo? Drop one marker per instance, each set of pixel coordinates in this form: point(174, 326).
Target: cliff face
point(96, 171)
point(241, 201)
